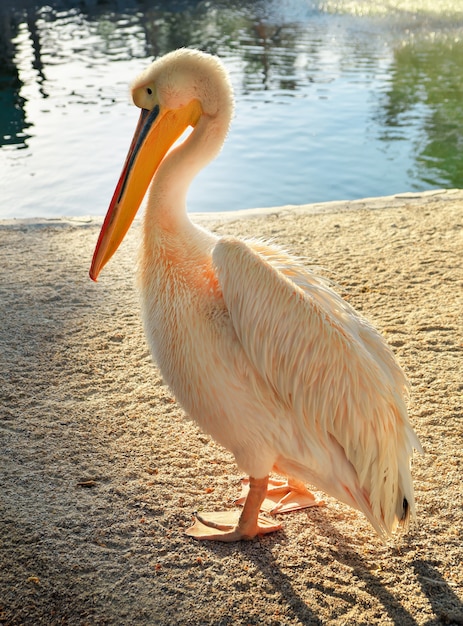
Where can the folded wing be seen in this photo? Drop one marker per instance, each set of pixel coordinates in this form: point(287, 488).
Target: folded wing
point(337, 379)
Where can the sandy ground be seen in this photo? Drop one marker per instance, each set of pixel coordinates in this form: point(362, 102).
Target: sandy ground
point(100, 471)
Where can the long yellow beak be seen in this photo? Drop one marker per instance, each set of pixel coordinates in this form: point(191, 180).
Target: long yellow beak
point(156, 131)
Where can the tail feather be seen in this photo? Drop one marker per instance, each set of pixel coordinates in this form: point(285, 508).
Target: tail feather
point(404, 520)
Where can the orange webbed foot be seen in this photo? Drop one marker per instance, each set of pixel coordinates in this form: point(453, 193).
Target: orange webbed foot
point(225, 526)
point(233, 525)
point(283, 496)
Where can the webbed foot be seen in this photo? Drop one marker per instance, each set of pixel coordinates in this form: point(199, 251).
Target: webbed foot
point(227, 526)
point(282, 496)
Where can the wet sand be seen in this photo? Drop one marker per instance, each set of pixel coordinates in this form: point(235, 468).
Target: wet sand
point(100, 471)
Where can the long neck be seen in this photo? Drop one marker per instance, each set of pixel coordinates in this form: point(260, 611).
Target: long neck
point(166, 207)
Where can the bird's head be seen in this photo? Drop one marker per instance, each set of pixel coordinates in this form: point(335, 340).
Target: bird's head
point(173, 93)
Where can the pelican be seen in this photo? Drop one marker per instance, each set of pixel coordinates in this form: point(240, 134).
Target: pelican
point(257, 348)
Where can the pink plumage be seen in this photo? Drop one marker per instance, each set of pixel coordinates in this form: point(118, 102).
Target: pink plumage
point(258, 349)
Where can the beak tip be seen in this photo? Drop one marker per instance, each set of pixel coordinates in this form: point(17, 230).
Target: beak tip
point(93, 275)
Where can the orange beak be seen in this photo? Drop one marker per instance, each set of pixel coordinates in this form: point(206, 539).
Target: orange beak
point(156, 131)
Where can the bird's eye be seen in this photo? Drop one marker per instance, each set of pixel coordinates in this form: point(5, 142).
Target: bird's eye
point(149, 91)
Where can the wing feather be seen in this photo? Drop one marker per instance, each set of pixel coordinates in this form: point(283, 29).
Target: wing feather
point(338, 380)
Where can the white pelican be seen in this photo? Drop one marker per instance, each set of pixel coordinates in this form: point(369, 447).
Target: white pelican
point(257, 348)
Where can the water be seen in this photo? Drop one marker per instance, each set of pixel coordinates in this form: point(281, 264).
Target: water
point(335, 100)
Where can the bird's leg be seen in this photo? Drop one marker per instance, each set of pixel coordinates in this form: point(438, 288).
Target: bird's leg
point(283, 496)
point(226, 526)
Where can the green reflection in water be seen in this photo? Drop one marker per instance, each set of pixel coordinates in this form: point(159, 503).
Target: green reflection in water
point(428, 73)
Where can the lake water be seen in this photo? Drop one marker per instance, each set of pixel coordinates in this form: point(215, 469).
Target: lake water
point(335, 100)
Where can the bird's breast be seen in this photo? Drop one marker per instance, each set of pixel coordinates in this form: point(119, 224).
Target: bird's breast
point(186, 322)
point(194, 343)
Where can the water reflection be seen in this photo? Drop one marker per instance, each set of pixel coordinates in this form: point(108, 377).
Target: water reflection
point(13, 123)
point(427, 76)
point(12, 117)
point(368, 105)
